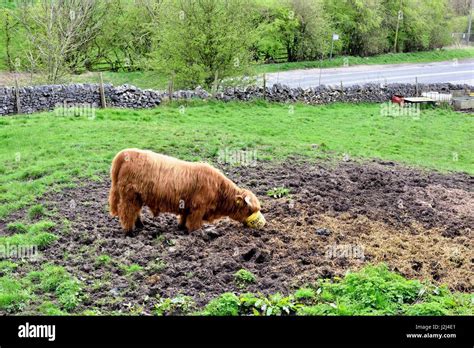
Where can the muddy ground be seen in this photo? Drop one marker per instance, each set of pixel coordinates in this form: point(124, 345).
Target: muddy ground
point(336, 218)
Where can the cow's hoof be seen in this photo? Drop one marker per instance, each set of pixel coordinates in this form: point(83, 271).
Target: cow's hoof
point(139, 224)
point(132, 233)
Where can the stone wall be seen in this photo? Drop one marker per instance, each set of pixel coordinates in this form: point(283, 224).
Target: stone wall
point(42, 98)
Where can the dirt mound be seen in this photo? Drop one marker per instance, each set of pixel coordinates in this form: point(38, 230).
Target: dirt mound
point(335, 219)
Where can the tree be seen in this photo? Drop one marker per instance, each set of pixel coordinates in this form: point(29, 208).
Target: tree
point(315, 30)
point(9, 26)
point(360, 24)
point(201, 39)
point(128, 34)
point(299, 27)
point(58, 31)
point(424, 24)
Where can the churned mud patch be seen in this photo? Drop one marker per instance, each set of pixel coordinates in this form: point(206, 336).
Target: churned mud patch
point(335, 218)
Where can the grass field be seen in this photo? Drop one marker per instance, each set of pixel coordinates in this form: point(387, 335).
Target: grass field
point(52, 149)
point(46, 152)
point(43, 149)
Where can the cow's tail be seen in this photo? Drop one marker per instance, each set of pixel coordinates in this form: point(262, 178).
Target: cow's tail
point(114, 194)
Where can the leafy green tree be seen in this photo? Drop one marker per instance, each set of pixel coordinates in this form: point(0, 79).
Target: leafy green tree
point(12, 36)
point(276, 34)
point(128, 34)
point(299, 27)
point(359, 24)
point(199, 40)
point(423, 25)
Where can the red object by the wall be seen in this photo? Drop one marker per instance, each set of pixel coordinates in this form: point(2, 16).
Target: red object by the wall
point(398, 99)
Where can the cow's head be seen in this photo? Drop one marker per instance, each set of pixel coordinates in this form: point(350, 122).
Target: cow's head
point(248, 210)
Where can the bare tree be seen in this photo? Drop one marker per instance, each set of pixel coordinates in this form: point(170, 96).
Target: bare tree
point(56, 30)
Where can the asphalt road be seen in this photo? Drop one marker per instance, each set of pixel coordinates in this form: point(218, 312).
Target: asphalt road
point(461, 71)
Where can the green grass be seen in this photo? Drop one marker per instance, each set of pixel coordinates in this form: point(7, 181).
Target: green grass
point(175, 306)
point(278, 192)
point(17, 227)
point(56, 151)
point(103, 260)
point(389, 58)
point(36, 211)
point(374, 290)
point(35, 235)
point(7, 267)
point(57, 281)
point(12, 294)
point(227, 304)
point(130, 269)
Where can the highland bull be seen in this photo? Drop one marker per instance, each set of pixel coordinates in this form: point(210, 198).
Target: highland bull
point(196, 192)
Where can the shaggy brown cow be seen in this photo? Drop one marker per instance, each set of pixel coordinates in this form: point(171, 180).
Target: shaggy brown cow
point(196, 192)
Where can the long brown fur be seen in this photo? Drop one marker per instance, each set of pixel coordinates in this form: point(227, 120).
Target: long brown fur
point(196, 192)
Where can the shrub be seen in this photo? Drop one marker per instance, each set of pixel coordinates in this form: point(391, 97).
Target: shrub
point(226, 304)
point(275, 304)
point(304, 294)
point(244, 277)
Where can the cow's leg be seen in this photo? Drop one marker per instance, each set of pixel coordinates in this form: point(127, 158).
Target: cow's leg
point(138, 221)
point(154, 210)
point(129, 211)
point(182, 221)
point(194, 220)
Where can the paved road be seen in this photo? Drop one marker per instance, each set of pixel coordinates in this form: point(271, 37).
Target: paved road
point(461, 71)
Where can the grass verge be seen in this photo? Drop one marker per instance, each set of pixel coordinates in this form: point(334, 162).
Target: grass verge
point(389, 58)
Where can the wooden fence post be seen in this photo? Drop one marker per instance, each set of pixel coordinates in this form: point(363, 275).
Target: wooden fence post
point(17, 95)
point(103, 103)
